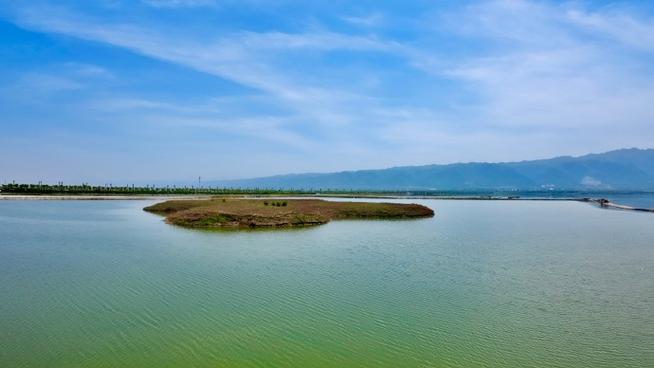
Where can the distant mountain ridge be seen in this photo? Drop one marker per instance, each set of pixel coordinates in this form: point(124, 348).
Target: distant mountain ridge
point(624, 169)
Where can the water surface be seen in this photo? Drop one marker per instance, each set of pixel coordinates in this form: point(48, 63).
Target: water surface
point(641, 200)
point(482, 284)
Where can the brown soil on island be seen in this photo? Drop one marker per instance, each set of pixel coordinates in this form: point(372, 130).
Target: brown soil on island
point(253, 213)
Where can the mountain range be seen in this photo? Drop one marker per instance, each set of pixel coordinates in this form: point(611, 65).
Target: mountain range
point(624, 169)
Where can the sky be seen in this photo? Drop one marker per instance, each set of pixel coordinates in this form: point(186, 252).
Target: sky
point(157, 91)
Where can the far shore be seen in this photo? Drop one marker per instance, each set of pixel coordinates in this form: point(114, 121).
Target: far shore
point(102, 197)
point(204, 196)
point(600, 202)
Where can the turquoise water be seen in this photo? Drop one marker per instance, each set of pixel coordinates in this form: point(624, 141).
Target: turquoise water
point(482, 284)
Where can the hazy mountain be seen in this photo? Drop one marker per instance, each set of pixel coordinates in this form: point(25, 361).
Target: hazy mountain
point(620, 169)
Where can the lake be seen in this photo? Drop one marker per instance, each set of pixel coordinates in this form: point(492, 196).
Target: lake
point(642, 200)
point(482, 284)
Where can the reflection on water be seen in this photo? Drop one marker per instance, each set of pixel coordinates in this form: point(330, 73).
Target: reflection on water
point(484, 283)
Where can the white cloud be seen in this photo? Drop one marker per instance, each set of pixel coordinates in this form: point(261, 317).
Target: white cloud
point(89, 70)
point(371, 20)
point(179, 3)
point(546, 72)
point(243, 57)
point(40, 83)
point(206, 115)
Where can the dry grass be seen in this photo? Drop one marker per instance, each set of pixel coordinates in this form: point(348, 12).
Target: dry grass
point(298, 212)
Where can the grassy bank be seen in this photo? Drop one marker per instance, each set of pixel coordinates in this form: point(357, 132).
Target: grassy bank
point(252, 213)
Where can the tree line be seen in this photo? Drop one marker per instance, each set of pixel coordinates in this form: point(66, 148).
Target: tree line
point(85, 188)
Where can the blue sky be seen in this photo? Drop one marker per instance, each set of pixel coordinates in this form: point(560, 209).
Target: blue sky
point(166, 90)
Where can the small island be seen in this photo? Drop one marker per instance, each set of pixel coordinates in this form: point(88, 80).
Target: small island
point(277, 213)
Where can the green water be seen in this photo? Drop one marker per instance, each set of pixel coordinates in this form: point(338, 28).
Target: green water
point(482, 284)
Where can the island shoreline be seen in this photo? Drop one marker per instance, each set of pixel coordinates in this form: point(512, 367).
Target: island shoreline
point(278, 213)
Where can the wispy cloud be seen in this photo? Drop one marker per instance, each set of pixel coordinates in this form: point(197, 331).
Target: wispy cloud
point(179, 3)
point(370, 20)
point(207, 115)
point(558, 77)
point(624, 28)
point(41, 83)
point(89, 70)
point(247, 58)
